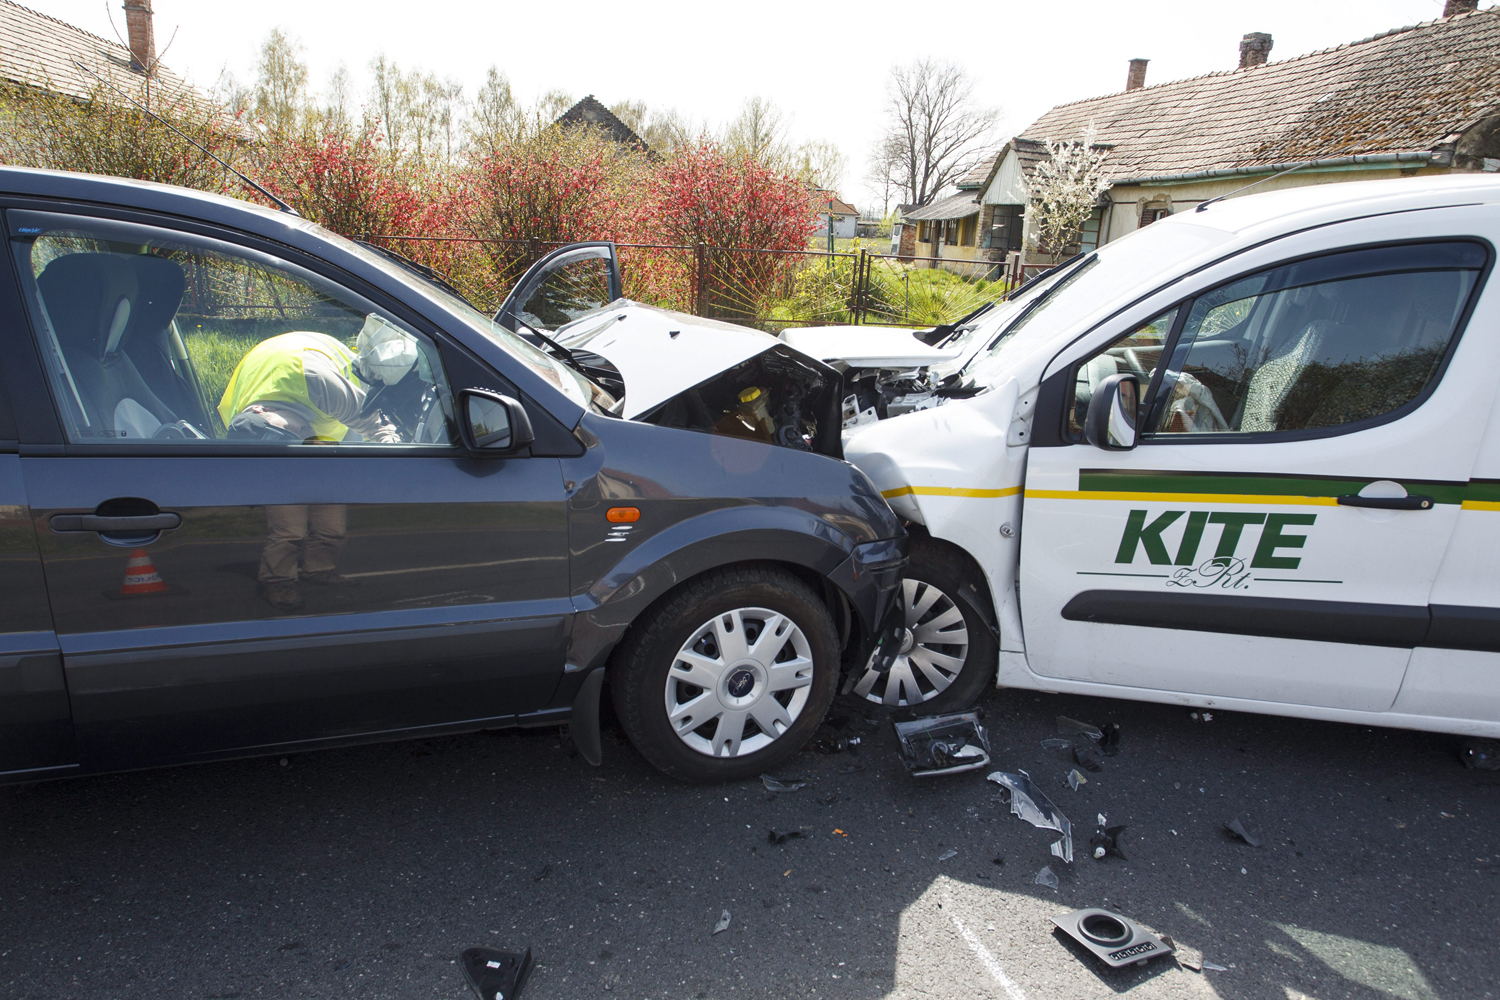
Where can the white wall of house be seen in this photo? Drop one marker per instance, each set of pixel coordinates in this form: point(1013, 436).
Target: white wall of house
point(1006, 188)
point(845, 227)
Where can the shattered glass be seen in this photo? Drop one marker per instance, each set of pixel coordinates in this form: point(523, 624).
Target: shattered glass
point(1031, 804)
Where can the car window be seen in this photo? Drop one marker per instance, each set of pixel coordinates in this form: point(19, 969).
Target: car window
point(571, 290)
point(1138, 352)
point(1319, 344)
point(150, 334)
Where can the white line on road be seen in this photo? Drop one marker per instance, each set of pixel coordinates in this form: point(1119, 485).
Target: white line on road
point(990, 962)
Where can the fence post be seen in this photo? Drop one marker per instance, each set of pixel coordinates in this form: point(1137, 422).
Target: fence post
point(534, 247)
point(860, 279)
point(701, 251)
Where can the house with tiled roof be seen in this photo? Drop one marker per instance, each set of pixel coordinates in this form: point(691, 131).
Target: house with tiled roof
point(38, 52)
point(831, 209)
point(591, 112)
point(1423, 99)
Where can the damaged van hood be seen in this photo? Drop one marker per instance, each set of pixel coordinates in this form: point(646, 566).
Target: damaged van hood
point(867, 346)
point(659, 352)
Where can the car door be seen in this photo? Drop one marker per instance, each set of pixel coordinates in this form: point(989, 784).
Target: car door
point(1306, 431)
point(225, 579)
point(36, 730)
point(564, 285)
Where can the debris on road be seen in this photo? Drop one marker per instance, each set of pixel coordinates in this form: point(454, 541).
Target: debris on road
point(1188, 958)
point(950, 853)
point(1057, 743)
point(1213, 967)
point(1106, 840)
point(1075, 779)
point(1201, 716)
point(998, 860)
point(723, 924)
point(1481, 755)
point(833, 743)
point(494, 974)
point(1237, 829)
point(1088, 759)
point(943, 744)
point(1046, 877)
point(1117, 941)
point(1110, 744)
point(778, 838)
point(1070, 727)
point(782, 784)
point(1028, 802)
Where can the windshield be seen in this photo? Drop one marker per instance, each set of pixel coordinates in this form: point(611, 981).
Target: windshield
point(1131, 265)
point(572, 384)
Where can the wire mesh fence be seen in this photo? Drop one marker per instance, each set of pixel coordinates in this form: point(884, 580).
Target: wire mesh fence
point(769, 289)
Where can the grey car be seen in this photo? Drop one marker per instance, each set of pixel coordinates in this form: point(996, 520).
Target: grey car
point(265, 490)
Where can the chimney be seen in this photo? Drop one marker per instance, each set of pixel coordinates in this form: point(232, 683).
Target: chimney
point(142, 37)
point(1255, 48)
point(1459, 7)
point(1136, 78)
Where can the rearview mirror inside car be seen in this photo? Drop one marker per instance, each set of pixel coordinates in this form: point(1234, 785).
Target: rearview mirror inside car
point(1110, 423)
point(494, 422)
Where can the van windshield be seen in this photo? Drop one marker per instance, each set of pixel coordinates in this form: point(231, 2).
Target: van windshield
point(1133, 263)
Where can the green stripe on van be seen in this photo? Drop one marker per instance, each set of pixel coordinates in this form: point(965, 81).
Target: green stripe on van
point(1264, 484)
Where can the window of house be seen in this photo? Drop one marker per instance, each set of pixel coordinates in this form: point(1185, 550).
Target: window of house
point(950, 232)
point(1007, 227)
point(966, 229)
point(924, 232)
point(1150, 215)
point(1088, 238)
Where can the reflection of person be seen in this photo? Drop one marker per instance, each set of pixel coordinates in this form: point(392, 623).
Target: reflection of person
point(309, 387)
point(316, 533)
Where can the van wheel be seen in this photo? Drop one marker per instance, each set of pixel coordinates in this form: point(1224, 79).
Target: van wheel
point(729, 676)
point(948, 653)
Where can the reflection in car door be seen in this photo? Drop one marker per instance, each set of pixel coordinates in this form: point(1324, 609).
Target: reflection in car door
point(441, 594)
point(1275, 536)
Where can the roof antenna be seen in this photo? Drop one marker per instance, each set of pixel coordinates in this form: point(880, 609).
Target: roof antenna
point(1202, 205)
point(262, 191)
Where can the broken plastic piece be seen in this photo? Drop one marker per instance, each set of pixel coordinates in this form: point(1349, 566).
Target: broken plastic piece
point(1106, 841)
point(494, 974)
point(1068, 727)
point(1057, 743)
point(1213, 967)
point(1075, 779)
point(1088, 759)
point(781, 838)
point(1028, 802)
point(782, 784)
point(1117, 941)
point(723, 924)
point(1110, 743)
point(943, 744)
point(1046, 877)
point(951, 852)
point(1477, 754)
point(1201, 716)
point(1237, 829)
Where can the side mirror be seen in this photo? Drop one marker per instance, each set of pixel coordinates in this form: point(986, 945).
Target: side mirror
point(493, 422)
point(1110, 422)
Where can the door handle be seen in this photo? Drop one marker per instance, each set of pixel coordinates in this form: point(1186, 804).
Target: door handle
point(94, 522)
point(1414, 502)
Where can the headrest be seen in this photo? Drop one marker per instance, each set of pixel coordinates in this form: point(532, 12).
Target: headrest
point(98, 300)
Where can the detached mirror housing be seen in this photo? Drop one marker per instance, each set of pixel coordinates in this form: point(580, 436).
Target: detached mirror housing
point(1110, 422)
point(494, 422)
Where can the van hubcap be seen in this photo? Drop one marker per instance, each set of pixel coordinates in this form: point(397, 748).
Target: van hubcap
point(934, 648)
point(739, 682)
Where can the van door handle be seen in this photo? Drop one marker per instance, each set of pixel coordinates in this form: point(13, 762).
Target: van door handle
point(94, 522)
point(1414, 502)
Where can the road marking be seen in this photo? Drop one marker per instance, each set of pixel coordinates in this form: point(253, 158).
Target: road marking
point(990, 962)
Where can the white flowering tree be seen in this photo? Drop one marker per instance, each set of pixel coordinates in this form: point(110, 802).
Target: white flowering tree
point(1062, 192)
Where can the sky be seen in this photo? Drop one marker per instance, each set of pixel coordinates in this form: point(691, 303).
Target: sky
point(824, 62)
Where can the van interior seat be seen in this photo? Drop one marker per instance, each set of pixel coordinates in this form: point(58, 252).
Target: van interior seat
point(99, 303)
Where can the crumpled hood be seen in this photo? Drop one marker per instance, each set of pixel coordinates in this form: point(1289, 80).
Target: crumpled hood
point(866, 346)
point(658, 352)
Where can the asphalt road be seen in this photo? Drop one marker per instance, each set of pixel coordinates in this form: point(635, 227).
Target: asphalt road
point(363, 872)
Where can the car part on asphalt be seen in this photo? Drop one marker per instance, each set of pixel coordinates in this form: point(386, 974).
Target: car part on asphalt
point(1058, 743)
point(723, 924)
point(782, 784)
point(944, 744)
point(1087, 758)
point(1109, 744)
point(1480, 755)
point(1028, 802)
point(1237, 830)
point(1117, 941)
point(1046, 877)
point(1076, 779)
point(495, 974)
point(1071, 727)
point(1201, 716)
point(949, 854)
point(777, 838)
point(1106, 840)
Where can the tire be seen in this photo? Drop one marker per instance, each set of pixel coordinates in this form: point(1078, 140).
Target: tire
point(776, 694)
point(948, 660)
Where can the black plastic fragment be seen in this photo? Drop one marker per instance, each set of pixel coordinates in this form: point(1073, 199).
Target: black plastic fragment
point(1480, 754)
point(495, 974)
point(1237, 829)
point(1088, 758)
point(1116, 940)
point(944, 744)
point(1110, 743)
point(777, 838)
point(1106, 842)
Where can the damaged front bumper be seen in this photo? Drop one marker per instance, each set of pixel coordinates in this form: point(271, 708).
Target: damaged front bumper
point(871, 580)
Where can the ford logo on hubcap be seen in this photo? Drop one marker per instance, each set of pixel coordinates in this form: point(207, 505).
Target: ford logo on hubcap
point(740, 683)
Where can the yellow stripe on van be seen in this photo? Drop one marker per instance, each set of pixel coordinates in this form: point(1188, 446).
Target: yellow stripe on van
point(947, 491)
point(1259, 499)
point(1481, 505)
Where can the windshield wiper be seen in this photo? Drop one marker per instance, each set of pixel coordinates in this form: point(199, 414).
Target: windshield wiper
point(420, 270)
point(940, 335)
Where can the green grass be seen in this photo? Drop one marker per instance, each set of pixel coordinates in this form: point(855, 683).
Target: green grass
point(215, 354)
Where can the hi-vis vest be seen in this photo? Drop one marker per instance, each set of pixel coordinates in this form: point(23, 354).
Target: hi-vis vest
point(272, 372)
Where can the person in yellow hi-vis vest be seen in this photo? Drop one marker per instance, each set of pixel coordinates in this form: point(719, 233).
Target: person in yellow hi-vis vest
point(309, 388)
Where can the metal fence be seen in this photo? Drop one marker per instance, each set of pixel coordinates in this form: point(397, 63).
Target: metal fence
point(770, 289)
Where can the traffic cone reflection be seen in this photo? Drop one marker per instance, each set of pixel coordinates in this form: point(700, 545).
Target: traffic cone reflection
point(141, 576)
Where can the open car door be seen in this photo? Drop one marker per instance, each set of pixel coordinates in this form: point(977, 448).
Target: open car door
point(569, 282)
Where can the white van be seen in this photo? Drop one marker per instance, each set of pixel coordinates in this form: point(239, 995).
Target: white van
point(1247, 458)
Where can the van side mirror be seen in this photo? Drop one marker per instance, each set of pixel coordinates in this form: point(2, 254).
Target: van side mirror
point(494, 422)
point(1110, 422)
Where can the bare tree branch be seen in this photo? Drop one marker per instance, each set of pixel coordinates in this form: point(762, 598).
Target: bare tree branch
point(934, 130)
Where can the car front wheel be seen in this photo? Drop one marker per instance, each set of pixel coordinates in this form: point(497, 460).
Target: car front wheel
point(729, 676)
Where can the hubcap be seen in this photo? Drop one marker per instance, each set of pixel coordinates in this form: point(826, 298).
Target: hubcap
point(934, 647)
point(739, 682)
